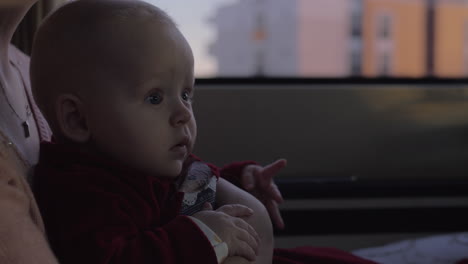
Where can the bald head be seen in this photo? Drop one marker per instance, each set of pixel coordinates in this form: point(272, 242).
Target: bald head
point(83, 43)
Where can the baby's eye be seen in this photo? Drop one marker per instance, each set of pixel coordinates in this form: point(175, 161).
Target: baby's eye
point(186, 96)
point(155, 98)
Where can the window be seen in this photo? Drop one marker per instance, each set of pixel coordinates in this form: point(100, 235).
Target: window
point(323, 38)
point(384, 44)
point(356, 60)
point(384, 27)
point(356, 38)
point(384, 65)
point(356, 19)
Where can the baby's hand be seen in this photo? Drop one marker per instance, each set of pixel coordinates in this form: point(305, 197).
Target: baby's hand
point(258, 181)
point(242, 240)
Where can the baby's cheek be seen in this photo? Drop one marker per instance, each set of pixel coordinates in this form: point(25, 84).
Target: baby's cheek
point(193, 132)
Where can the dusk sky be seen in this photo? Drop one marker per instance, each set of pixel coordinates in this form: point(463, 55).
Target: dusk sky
point(192, 18)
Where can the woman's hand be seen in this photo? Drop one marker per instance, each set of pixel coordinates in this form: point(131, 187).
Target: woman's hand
point(258, 181)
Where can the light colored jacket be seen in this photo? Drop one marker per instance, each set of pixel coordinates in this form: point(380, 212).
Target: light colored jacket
point(22, 235)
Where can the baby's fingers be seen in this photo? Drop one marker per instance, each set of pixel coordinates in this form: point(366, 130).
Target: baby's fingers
point(276, 194)
point(249, 238)
point(243, 249)
point(235, 210)
point(275, 214)
point(249, 230)
point(207, 207)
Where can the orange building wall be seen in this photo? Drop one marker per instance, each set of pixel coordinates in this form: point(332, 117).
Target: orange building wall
point(408, 32)
point(449, 41)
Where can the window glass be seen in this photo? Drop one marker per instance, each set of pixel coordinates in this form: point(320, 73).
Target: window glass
point(324, 38)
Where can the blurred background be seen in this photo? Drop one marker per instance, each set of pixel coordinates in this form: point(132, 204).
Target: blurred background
point(314, 38)
point(325, 38)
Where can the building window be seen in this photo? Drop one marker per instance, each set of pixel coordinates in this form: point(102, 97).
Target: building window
point(384, 44)
point(356, 19)
point(356, 38)
point(356, 62)
point(384, 27)
point(384, 65)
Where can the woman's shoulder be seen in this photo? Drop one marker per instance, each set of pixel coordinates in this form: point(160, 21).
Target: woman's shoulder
point(16, 198)
point(12, 179)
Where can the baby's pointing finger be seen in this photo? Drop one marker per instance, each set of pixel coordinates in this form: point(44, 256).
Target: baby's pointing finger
point(272, 169)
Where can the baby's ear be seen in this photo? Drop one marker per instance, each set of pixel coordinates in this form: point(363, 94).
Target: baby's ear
point(72, 119)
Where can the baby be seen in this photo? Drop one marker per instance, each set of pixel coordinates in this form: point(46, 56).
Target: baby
point(115, 82)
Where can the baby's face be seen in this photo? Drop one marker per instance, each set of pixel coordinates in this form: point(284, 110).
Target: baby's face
point(145, 119)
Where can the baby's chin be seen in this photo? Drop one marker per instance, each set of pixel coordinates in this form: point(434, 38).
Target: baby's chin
point(171, 172)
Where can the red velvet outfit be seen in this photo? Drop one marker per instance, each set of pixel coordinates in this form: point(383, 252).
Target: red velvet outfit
point(98, 211)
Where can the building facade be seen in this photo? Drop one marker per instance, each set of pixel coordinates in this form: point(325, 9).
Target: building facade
point(451, 38)
point(342, 38)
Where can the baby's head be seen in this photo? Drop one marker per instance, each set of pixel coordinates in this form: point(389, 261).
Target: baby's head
point(117, 75)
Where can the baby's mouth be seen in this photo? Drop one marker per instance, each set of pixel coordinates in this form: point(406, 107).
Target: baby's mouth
point(182, 145)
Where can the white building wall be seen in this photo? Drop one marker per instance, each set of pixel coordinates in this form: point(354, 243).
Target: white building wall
point(236, 48)
point(281, 46)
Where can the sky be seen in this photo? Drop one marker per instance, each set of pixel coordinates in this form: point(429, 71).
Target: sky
point(193, 20)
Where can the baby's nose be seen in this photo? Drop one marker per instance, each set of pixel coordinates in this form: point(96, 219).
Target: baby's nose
point(181, 115)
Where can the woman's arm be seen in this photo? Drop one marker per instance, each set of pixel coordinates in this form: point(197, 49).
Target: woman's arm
point(21, 239)
point(258, 181)
point(228, 193)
